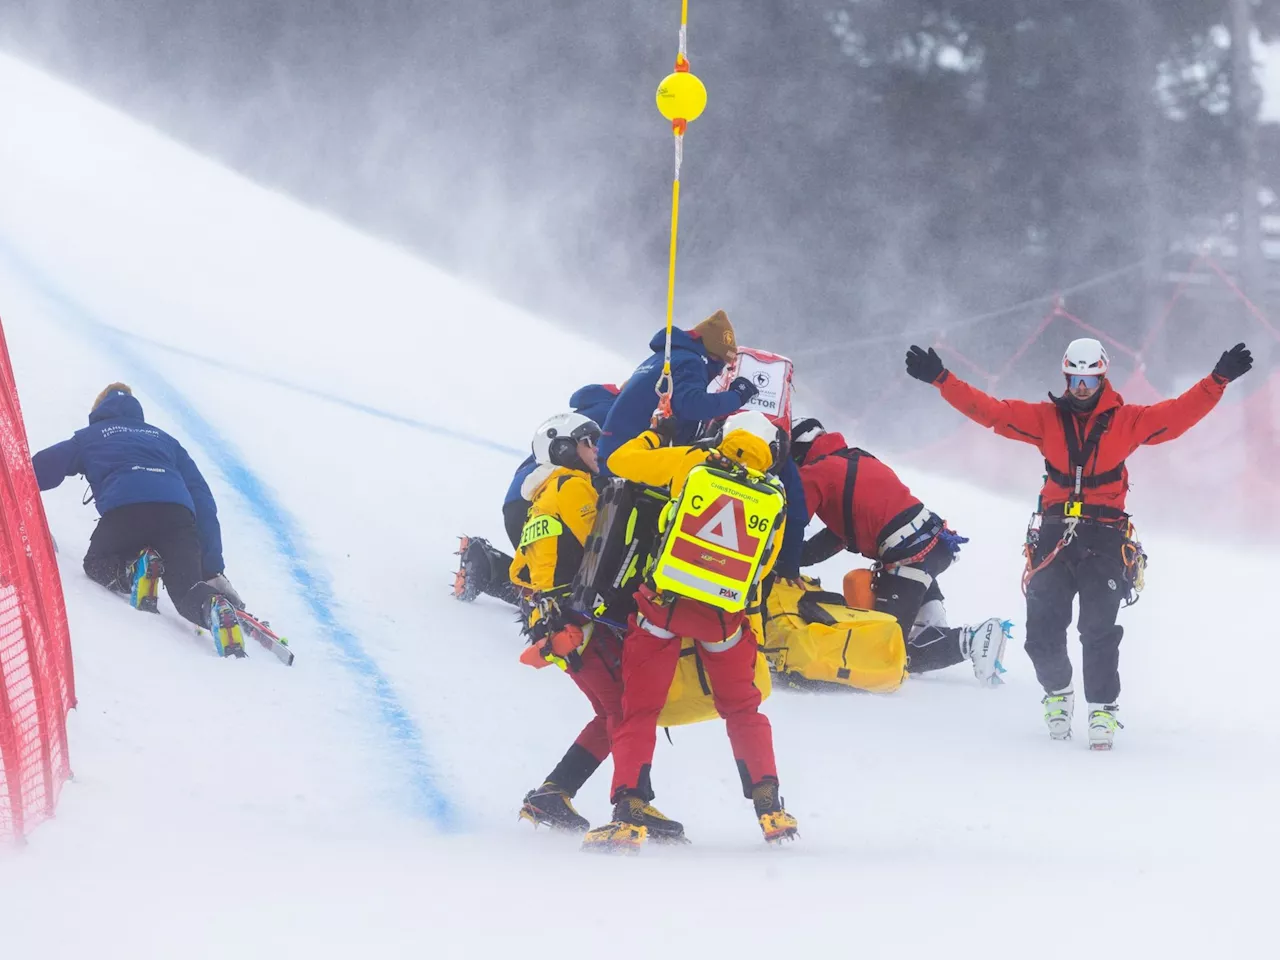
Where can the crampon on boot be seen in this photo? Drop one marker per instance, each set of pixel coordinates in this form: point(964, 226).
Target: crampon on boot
point(473, 569)
point(483, 569)
point(550, 806)
point(776, 824)
point(224, 625)
point(634, 821)
point(144, 577)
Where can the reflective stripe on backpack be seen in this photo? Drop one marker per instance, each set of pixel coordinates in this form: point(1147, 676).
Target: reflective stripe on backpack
point(716, 537)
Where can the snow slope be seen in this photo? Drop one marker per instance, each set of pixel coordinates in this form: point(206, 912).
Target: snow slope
point(354, 410)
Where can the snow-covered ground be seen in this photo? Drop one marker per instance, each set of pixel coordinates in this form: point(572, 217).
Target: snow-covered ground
point(355, 410)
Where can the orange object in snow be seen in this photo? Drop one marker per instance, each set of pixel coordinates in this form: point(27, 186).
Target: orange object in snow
point(857, 590)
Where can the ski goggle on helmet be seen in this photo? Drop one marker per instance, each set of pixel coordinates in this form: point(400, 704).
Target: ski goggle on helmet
point(556, 440)
point(1085, 363)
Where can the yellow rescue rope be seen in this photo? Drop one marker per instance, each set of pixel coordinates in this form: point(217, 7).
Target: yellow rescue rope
point(681, 99)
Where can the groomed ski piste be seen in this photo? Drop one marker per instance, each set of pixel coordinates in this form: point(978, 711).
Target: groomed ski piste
point(354, 410)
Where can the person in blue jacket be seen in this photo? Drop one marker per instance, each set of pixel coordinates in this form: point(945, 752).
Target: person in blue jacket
point(698, 356)
point(158, 520)
point(484, 567)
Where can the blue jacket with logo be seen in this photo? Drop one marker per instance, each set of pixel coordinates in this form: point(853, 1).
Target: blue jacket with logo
point(592, 401)
point(127, 461)
point(692, 370)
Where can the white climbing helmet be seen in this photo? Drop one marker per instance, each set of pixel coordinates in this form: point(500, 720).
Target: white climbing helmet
point(1086, 357)
point(556, 440)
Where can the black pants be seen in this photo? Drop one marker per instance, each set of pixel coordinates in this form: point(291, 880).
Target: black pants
point(514, 515)
point(1092, 566)
point(167, 528)
point(901, 596)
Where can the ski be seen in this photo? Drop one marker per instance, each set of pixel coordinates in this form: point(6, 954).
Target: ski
point(260, 630)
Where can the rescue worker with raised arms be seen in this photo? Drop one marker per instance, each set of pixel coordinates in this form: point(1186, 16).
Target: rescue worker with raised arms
point(1081, 537)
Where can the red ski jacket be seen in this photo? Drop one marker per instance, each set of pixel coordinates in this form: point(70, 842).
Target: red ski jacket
point(838, 480)
point(1093, 453)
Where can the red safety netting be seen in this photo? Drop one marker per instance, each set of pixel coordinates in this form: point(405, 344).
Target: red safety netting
point(37, 686)
point(1222, 476)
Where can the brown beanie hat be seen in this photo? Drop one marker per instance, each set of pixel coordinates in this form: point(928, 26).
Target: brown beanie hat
point(110, 388)
point(716, 333)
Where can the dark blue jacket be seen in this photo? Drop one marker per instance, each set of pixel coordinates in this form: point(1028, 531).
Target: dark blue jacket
point(692, 370)
point(126, 460)
point(592, 401)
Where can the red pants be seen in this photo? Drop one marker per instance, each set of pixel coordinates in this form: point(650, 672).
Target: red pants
point(600, 678)
point(648, 666)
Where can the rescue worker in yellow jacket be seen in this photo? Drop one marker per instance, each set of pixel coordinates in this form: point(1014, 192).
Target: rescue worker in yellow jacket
point(720, 535)
point(560, 518)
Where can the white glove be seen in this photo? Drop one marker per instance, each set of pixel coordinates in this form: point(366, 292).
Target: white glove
point(222, 585)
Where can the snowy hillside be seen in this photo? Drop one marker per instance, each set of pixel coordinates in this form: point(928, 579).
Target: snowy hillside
point(354, 410)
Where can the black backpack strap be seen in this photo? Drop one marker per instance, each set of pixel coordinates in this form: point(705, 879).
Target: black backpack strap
point(850, 481)
point(810, 609)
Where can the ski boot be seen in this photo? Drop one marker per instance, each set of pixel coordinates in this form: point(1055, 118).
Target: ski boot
point(1059, 708)
point(984, 646)
point(634, 821)
point(550, 806)
point(144, 578)
point(1102, 725)
point(220, 615)
point(775, 822)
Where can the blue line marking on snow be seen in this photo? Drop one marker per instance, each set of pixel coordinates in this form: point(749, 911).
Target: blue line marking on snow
point(432, 428)
point(312, 583)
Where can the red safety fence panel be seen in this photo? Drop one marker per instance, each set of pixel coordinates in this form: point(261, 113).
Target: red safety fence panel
point(37, 685)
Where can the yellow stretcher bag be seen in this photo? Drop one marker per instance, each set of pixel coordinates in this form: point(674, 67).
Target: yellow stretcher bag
point(813, 635)
point(689, 700)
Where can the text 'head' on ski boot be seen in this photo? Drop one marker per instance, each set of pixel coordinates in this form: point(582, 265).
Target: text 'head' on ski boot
point(1059, 708)
point(551, 806)
point(144, 581)
point(1103, 725)
point(224, 625)
point(984, 646)
point(776, 824)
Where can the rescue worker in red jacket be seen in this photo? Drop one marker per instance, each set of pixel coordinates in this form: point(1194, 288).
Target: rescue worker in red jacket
point(868, 510)
point(1080, 541)
point(723, 531)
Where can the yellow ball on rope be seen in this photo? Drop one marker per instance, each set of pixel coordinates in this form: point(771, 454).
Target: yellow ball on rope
point(681, 96)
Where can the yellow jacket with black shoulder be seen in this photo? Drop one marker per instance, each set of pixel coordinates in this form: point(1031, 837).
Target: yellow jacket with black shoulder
point(560, 519)
point(702, 589)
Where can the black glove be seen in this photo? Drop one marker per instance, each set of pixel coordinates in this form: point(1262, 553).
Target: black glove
point(925, 367)
point(744, 388)
point(1233, 363)
point(667, 428)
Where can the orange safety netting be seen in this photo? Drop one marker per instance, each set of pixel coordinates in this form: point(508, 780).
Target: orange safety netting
point(37, 686)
